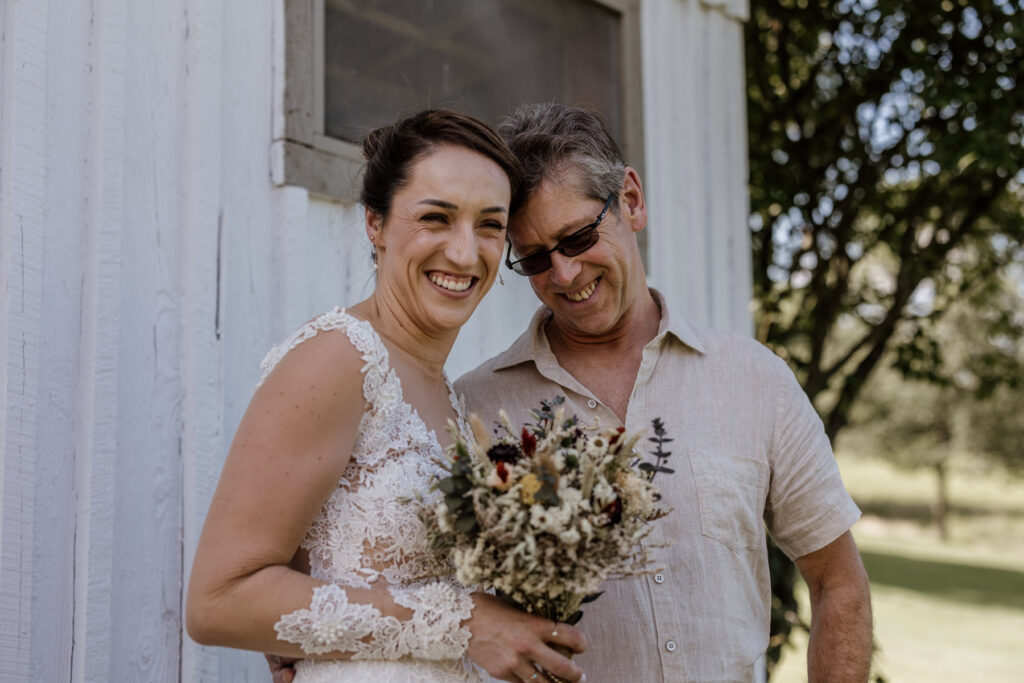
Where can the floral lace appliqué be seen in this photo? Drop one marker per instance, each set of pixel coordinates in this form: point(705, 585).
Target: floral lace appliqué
point(332, 623)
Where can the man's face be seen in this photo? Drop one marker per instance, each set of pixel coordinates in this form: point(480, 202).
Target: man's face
point(591, 293)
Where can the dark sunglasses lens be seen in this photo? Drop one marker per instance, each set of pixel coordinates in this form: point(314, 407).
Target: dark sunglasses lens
point(576, 244)
point(533, 264)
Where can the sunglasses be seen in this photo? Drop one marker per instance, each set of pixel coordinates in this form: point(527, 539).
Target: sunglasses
point(573, 245)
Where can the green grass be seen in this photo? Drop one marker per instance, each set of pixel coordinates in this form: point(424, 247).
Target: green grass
point(944, 611)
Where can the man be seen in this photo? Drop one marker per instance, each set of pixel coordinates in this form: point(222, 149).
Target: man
point(749, 449)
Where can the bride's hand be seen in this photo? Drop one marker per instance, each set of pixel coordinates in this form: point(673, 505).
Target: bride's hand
point(509, 643)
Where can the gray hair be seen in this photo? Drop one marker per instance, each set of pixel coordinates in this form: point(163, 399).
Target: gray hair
point(550, 139)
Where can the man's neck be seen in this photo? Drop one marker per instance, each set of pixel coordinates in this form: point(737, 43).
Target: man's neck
point(608, 364)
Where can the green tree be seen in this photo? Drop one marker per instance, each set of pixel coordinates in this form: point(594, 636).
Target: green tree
point(885, 184)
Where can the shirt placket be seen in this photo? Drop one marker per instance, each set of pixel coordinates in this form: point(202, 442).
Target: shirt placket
point(667, 631)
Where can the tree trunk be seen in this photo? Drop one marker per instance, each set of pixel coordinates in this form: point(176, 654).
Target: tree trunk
point(941, 505)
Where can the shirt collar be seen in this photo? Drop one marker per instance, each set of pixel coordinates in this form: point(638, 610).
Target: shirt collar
point(533, 343)
point(674, 324)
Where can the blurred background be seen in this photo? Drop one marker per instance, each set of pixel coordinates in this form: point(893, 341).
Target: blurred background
point(887, 217)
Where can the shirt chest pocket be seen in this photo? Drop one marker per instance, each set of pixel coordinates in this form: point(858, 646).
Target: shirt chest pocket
point(730, 494)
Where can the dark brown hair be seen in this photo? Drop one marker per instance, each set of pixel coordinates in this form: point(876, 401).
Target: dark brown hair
point(550, 139)
point(390, 151)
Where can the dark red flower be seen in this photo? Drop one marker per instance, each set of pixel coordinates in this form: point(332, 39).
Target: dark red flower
point(504, 452)
point(614, 511)
point(529, 443)
point(502, 472)
point(615, 437)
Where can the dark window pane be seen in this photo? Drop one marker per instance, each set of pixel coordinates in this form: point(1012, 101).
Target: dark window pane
point(386, 57)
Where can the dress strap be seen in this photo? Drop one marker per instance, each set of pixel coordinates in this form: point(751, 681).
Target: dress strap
point(375, 368)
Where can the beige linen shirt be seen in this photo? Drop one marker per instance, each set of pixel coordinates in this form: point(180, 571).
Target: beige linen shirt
point(749, 452)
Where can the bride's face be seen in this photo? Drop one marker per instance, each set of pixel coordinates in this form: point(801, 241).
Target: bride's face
point(440, 246)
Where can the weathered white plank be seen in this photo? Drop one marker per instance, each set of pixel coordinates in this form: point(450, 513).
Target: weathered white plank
point(59, 342)
point(96, 421)
point(250, 307)
point(199, 283)
point(145, 634)
point(737, 307)
point(696, 192)
point(714, 159)
point(733, 9)
point(675, 181)
point(22, 230)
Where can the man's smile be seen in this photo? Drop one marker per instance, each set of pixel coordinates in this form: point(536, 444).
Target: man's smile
point(584, 293)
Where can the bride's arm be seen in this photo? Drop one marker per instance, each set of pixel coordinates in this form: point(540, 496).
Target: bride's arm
point(291, 448)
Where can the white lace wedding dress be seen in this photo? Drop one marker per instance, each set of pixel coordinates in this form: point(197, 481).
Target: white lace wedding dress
point(368, 531)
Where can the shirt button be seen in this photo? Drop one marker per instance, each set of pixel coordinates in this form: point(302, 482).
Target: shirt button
point(670, 646)
point(592, 403)
point(659, 578)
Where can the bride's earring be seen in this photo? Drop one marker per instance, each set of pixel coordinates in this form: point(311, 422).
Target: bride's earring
point(501, 280)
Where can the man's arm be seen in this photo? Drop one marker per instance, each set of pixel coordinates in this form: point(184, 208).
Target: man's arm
point(840, 645)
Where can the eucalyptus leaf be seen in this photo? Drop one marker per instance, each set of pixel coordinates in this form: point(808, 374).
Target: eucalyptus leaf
point(454, 501)
point(466, 523)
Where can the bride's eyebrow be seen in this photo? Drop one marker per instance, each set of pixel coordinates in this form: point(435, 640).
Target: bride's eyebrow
point(439, 203)
point(454, 207)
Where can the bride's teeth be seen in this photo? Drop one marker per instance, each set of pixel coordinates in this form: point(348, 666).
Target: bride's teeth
point(583, 294)
point(451, 284)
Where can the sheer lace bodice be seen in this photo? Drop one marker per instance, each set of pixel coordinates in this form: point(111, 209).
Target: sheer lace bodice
point(368, 531)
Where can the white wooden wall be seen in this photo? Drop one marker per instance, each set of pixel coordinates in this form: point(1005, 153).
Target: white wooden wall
point(147, 263)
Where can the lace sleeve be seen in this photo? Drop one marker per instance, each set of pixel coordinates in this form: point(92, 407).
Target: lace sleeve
point(332, 623)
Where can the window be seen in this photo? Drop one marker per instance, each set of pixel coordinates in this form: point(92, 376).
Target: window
point(351, 65)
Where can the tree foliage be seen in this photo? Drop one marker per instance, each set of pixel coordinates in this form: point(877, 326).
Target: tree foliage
point(881, 133)
point(885, 186)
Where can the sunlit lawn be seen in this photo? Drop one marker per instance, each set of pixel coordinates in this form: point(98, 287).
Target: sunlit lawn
point(949, 611)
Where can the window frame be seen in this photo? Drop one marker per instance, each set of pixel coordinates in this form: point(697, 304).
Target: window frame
point(303, 155)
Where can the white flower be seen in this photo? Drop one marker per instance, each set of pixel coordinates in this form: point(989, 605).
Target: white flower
point(570, 537)
point(636, 494)
point(443, 521)
point(603, 492)
point(596, 448)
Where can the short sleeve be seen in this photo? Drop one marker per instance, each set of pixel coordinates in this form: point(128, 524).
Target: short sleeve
point(808, 507)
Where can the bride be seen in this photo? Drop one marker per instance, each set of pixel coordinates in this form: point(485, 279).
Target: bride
point(310, 548)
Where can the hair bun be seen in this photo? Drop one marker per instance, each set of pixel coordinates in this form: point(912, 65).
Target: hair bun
point(374, 141)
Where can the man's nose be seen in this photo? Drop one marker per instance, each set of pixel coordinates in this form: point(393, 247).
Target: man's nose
point(564, 269)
